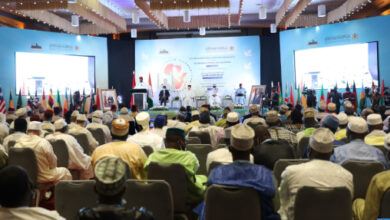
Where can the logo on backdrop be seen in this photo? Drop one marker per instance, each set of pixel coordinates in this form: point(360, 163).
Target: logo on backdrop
point(341, 38)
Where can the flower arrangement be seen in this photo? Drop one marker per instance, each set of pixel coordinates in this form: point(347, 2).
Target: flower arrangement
point(158, 108)
point(177, 98)
point(239, 106)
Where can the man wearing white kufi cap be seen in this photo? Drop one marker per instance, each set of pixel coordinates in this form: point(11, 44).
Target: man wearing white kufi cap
point(20, 113)
point(319, 172)
point(73, 118)
point(146, 137)
point(369, 208)
point(375, 127)
point(242, 173)
point(46, 159)
point(78, 160)
point(97, 123)
point(356, 149)
point(232, 119)
point(341, 134)
point(276, 131)
point(81, 121)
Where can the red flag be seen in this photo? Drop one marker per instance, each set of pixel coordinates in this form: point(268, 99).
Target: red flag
point(150, 85)
point(327, 100)
point(322, 98)
point(383, 88)
point(97, 99)
point(292, 96)
point(132, 87)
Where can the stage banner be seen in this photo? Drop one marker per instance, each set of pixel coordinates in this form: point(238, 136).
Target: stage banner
point(200, 62)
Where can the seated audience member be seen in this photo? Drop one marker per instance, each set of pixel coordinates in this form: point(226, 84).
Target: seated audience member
point(3, 157)
point(332, 123)
point(309, 123)
point(276, 131)
point(159, 126)
point(194, 122)
point(253, 112)
point(78, 160)
point(242, 173)
point(47, 121)
point(19, 132)
point(80, 129)
point(20, 113)
point(321, 111)
point(57, 114)
point(375, 127)
point(178, 123)
point(124, 113)
point(176, 153)
point(215, 132)
point(369, 208)
point(285, 113)
point(188, 114)
point(357, 149)
point(253, 122)
point(222, 122)
point(97, 123)
point(4, 130)
point(131, 153)
point(349, 109)
point(296, 120)
point(366, 112)
point(17, 190)
point(341, 133)
point(11, 114)
point(332, 108)
point(133, 126)
point(145, 137)
point(73, 119)
point(46, 159)
point(107, 118)
point(232, 119)
point(113, 111)
point(261, 134)
point(319, 172)
point(134, 111)
point(110, 176)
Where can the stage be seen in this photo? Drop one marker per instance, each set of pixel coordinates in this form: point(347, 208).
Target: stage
point(172, 112)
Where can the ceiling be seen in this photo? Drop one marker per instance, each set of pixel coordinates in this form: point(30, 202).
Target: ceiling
point(116, 16)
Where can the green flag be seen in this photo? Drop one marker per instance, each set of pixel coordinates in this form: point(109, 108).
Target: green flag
point(20, 101)
point(58, 99)
point(71, 99)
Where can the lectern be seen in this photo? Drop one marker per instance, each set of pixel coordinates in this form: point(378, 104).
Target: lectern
point(140, 98)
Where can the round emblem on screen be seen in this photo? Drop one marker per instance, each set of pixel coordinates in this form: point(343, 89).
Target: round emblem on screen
point(177, 73)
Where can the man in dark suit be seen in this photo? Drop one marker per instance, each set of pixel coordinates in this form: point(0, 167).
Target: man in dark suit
point(164, 96)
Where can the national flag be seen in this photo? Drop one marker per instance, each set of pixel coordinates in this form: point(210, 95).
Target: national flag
point(286, 95)
point(3, 108)
point(66, 106)
point(92, 101)
point(51, 100)
point(292, 96)
point(83, 105)
point(71, 100)
point(382, 99)
point(362, 99)
point(97, 99)
point(58, 98)
point(280, 95)
point(20, 101)
point(11, 101)
point(322, 97)
point(132, 87)
point(44, 98)
point(354, 92)
point(303, 101)
point(298, 95)
point(150, 85)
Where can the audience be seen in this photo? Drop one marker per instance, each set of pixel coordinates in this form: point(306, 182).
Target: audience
point(195, 121)
point(321, 111)
point(81, 122)
point(130, 153)
point(113, 111)
point(73, 119)
point(159, 126)
point(19, 132)
point(97, 123)
point(46, 159)
point(57, 113)
point(11, 114)
point(222, 122)
point(341, 133)
point(319, 172)
point(277, 131)
point(253, 112)
point(376, 134)
point(215, 132)
point(110, 176)
point(17, 190)
point(309, 123)
point(4, 130)
point(232, 119)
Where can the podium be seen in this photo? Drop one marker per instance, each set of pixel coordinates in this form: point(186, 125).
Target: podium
point(140, 98)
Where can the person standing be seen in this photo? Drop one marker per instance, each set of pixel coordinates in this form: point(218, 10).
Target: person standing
point(164, 96)
point(240, 95)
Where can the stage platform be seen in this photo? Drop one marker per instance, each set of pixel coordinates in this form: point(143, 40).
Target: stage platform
point(172, 112)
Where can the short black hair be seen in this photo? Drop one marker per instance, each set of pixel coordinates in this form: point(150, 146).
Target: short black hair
point(57, 110)
point(15, 185)
point(20, 124)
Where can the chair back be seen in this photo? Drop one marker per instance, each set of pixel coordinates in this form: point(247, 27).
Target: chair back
point(204, 136)
point(11, 144)
point(302, 145)
point(270, 151)
point(24, 157)
point(362, 172)
point(148, 150)
point(193, 140)
point(71, 196)
point(175, 175)
point(385, 204)
point(83, 141)
point(98, 134)
point(153, 195)
point(320, 203)
point(281, 165)
point(201, 151)
point(221, 203)
point(61, 151)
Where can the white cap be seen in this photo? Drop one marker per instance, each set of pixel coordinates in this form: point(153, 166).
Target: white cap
point(284, 107)
point(242, 137)
point(322, 140)
point(322, 106)
point(34, 126)
point(60, 124)
point(20, 112)
point(81, 117)
point(272, 116)
point(343, 118)
point(348, 104)
point(97, 114)
point(193, 113)
point(232, 117)
point(387, 112)
point(387, 141)
point(124, 111)
point(143, 119)
point(75, 113)
point(374, 119)
point(332, 107)
point(357, 125)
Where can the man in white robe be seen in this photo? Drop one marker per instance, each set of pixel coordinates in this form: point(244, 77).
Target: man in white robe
point(73, 118)
point(80, 129)
point(214, 98)
point(78, 160)
point(188, 97)
point(97, 123)
point(4, 130)
point(216, 133)
point(19, 132)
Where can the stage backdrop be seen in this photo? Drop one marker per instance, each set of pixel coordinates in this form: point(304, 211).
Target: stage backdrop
point(200, 62)
point(346, 33)
point(16, 40)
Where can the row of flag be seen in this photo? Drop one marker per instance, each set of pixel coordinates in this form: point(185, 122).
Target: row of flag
point(86, 106)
